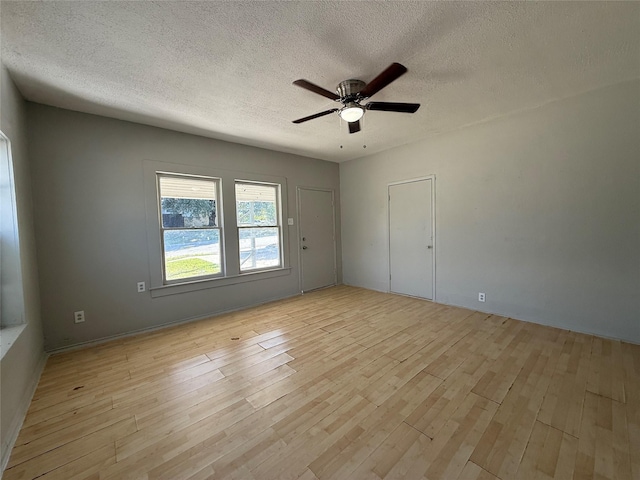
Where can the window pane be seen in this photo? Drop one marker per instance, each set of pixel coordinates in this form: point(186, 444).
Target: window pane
point(259, 248)
point(256, 204)
point(188, 202)
point(191, 253)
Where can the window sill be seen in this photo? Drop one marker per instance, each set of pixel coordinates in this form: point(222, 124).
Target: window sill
point(8, 336)
point(196, 285)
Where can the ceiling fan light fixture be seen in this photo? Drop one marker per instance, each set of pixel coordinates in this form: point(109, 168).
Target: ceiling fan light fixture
point(352, 112)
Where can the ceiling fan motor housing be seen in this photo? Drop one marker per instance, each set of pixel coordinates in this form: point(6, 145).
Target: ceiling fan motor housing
point(349, 89)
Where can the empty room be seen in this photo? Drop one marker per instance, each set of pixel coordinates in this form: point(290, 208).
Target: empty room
point(319, 240)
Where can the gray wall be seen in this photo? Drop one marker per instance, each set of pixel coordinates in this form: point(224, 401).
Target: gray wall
point(21, 364)
point(540, 210)
point(91, 221)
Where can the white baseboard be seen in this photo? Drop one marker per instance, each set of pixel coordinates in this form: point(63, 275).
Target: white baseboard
point(18, 419)
point(133, 333)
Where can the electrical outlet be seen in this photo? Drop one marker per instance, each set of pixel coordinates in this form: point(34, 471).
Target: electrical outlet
point(141, 287)
point(78, 317)
point(289, 221)
point(481, 297)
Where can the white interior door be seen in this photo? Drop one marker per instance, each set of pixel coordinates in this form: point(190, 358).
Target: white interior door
point(411, 238)
point(317, 238)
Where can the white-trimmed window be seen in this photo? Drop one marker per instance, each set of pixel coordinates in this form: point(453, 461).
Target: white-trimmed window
point(12, 307)
point(258, 216)
point(190, 227)
point(189, 247)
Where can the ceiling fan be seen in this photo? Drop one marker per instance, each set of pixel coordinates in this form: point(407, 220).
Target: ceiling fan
point(350, 93)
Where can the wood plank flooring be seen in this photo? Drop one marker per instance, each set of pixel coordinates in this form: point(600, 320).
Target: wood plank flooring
point(342, 383)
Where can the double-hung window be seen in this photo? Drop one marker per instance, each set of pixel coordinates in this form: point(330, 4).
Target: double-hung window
point(259, 225)
point(190, 227)
point(189, 247)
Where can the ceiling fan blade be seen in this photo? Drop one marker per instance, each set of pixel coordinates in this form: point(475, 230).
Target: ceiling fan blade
point(316, 89)
point(317, 115)
point(393, 107)
point(354, 127)
point(392, 72)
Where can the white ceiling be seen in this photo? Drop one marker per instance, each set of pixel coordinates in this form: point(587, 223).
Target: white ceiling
point(225, 69)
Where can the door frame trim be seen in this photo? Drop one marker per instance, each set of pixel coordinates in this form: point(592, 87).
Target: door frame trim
point(433, 229)
point(299, 233)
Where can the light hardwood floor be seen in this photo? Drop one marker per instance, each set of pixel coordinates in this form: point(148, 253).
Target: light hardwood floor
point(341, 383)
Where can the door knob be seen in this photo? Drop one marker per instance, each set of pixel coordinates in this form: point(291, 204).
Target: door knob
point(304, 247)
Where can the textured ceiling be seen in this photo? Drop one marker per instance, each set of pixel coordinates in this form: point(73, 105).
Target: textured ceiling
point(225, 69)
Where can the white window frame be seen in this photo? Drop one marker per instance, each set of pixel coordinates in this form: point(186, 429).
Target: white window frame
point(277, 225)
point(219, 225)
point(229, 238)
point(12, 305)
